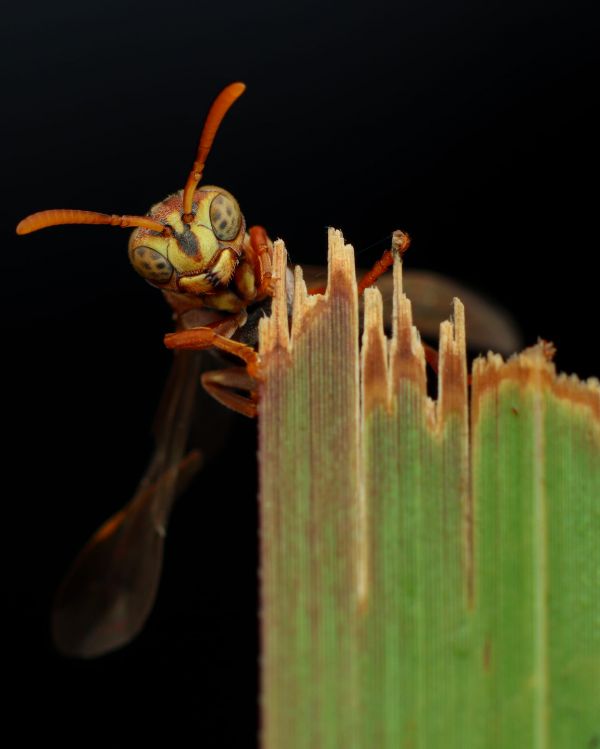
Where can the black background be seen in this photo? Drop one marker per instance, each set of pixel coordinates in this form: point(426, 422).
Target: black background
point(469, 124)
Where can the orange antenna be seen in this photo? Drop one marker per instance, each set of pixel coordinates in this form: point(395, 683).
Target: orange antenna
point(65, 216)
point(218, 110)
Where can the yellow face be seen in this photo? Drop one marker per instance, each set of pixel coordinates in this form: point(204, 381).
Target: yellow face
point(198, 258)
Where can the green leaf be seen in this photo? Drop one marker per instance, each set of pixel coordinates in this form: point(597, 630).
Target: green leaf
point(430, 571)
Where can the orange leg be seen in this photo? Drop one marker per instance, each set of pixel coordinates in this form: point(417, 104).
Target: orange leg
point(431, 356)
point(259, 255)
point(203, 338)
point(225, 326)
point(400, 243)
point(222, 384)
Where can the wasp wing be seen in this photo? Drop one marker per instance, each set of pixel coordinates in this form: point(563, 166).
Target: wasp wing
point(488, 325)
point(108, 593)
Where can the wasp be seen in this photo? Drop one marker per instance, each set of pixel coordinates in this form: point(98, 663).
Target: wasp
point(216, 275)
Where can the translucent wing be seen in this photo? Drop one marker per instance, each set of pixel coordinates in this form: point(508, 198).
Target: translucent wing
point(108, 593)
point(488, 325)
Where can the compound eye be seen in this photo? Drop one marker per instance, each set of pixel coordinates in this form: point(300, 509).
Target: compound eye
point(151, 265)
point(225, 217)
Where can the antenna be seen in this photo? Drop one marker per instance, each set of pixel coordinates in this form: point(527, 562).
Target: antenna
point(66, 216)
point(216, 113)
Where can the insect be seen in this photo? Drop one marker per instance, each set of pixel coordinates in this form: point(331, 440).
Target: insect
point(216, 276)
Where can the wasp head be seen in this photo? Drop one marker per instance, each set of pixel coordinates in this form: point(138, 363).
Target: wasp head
point(199, 257)
point(191, 242)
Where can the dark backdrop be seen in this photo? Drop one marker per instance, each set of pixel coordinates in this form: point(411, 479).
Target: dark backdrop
point(469, 124)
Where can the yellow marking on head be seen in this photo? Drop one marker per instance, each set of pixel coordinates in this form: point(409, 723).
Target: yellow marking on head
point(202, 215)
point(208, 246)
point(174, 221)
point(160, 244)
point(245, 281)
point(196, 284)
point(224, 267)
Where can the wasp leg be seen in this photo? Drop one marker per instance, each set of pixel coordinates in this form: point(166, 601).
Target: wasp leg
point(226, 326)
point(400, 243)
point(259, 255)
point(253, 276)
point(431, 356)
point(222, 384)
point(203, 338)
